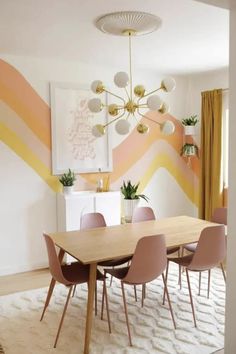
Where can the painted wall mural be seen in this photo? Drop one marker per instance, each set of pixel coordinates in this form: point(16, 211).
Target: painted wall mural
point(25, 127)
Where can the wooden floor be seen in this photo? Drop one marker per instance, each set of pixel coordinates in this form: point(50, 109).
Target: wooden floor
point(24, 281)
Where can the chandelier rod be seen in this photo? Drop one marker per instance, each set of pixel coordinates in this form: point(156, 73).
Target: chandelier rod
point(152, 120)
point(130, 67)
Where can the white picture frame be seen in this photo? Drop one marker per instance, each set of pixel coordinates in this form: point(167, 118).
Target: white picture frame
point(73, 145)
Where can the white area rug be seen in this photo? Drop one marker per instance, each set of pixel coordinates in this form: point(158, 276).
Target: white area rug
point(21, 332)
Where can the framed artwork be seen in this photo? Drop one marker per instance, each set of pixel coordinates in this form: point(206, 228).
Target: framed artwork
point(73, 145)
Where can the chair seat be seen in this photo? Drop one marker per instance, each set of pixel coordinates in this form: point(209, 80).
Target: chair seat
point(118, 273)
point(77, 273)
point(115, 262)
point(191, 247)
point(171, 250)
point(183, 261)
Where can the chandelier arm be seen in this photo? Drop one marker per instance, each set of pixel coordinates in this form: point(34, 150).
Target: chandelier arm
point(149, 93)
point(142, 105)
point(113, 94)
point(152, 120)
point(115, 119)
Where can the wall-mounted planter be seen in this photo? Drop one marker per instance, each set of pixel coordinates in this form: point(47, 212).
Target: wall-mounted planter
point(189, 150)
point(189, 129)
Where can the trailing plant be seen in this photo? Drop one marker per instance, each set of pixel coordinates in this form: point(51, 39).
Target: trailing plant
point(189, 150)
point(68, 178)
point(192, 120)
point(129, 191)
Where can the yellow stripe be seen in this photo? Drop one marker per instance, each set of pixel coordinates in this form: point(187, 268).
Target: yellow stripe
point(163, 160)
point(13, 141)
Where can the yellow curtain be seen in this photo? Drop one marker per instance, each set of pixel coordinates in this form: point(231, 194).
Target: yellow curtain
point(211, 191)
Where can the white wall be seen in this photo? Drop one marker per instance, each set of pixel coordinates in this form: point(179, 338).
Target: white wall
point(230, 338)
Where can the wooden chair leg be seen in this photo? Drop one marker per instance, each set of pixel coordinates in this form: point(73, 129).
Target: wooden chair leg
point(209, 282)
point(164, 294)
point(96, 300)
point(180, 280)
point(107, 305)
point(168, 298)
point(126, 314)
point(50, 291)
point(73, 294)
point(223, 271)
point(111, 278)
point(63, 315)
point(191, 299)
point(199, 283)
point(103, 297)
point(135, 293)
point(143, 294)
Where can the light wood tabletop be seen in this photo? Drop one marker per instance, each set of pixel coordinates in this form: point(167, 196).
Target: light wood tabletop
point(100, 244)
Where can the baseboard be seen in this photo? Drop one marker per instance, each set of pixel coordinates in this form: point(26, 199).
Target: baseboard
point(22, 268)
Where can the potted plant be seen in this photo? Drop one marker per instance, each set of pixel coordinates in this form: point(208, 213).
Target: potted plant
point(189, 150)
point(131, 198)
point(67, 180)
point(189, 124)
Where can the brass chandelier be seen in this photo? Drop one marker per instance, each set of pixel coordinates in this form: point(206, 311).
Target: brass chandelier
point(137, 100)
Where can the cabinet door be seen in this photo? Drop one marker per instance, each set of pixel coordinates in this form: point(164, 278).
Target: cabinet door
point(70, 208)
point(109, 204)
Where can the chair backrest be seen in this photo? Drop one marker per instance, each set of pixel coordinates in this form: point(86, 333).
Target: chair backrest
point(220, 216)
point(149, 260)
point(54, 264)
point(143, 214)
point(211, 248)
point(92, 220)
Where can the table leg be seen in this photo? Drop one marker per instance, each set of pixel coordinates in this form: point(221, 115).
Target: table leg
point(89, 317)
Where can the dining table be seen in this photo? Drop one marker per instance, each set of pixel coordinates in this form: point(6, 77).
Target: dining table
point(100, 244)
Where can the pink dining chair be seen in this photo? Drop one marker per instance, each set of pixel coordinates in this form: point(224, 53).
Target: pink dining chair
point(67, 274)
point(93, 220)
point(149, 262)
point(219, 216)
point(145, 214)
point(209, 253)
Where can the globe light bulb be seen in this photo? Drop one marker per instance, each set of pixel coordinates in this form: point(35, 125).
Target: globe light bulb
point(98, 130)
point(97, 86)
point(95, 105)
point(168, 84)
point(121, 79)
point(122, 127)
point(168, 127)
point(154, 102)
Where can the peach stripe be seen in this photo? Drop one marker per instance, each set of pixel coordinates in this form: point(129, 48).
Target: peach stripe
point(158, 148)
point(12, 121)
point(15, 143)
point(17, 93)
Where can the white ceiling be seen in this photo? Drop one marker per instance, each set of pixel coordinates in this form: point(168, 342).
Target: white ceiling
point(194, 36)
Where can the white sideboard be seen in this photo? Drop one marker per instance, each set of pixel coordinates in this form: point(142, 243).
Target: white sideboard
point(70, 207)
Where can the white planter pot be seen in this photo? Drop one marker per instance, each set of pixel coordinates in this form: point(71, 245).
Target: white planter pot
point(129, 206)
point(191, 151)
point(68, 189)
point(189, 130)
